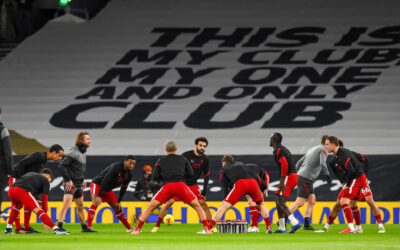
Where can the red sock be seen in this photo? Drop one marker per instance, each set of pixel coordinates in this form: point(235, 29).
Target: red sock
point(356, 214)
point(253, 212)
point(121, 217)
point(268, 222)
point(140, 224)
point(211, 224)
point(27, 219)
point(378, 218)
point(159, 220)
point(330, 219)
point(91, 214)
point(13, 216)
point(45, 219)
point(258, 215)
point(347, 213)
point(205, 224)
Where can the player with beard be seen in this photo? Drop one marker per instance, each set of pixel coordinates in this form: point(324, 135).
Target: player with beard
point(288, 180)
point(200, 165)
point(73, 169)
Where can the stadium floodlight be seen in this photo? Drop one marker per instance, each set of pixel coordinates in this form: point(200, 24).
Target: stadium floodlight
point(64, 3)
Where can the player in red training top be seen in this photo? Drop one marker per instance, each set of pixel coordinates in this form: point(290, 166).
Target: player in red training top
point(23, 192)
point(200, 165)
point(118, 174)
point(354, 181)
point(288, 180)
point(173, 170)
point(236, 177)
point(255, 212)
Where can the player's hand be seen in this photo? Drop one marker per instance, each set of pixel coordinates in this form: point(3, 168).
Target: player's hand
point(281, 187)
point(47, 228)
point(68, 186)
point(97, 201)
point(119, 206)
point(83, 184)
point(328, 179)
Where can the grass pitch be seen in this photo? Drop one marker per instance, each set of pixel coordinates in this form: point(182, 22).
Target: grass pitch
point(178, 236)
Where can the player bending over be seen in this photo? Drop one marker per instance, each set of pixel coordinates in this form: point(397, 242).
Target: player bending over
point(116, 175)
point(354, 183)
point(236, 177)
point(22, 194)
point(172, 170)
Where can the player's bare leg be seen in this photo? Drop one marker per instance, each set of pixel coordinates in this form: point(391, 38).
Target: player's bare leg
point(265, 214)
point(308, 211)
point(220, 212)
point(376, 212)
point(145, 215)
point(67, 201)
point(202, 216)
point(345, 203)
point(81, 215)
point(285, 212)
point(162, 214)
point(205, 208)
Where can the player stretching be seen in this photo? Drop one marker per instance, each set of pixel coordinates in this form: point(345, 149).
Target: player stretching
point(116, 175)
point(308, 169)
point(172, 170)
point(32, 163)
point(355, 185)
point(236, 177)
point(255, 212)
point(73, 169)
point(23, 192)
point(363, 161)
point(288, 181)
point(199, 162)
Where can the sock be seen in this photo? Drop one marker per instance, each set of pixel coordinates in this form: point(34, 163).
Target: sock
point(9, 225)
point(356, 214)
point(45, 219)
point(56, 228)
point(307, 221)
point(253, 212)
point(378, 219)
point(140, 224)
point(211, 224)
point(205, 224)
point(60, 225)
point(293, 220)
point(159, 220)
point(27, 219)
point(91, 214)
point(327, 225)
point(347, 213)
point(282, 222)
point(84, 226)
point(121, 217)
point(257, 216)
point(268, 222)
point(330, 220)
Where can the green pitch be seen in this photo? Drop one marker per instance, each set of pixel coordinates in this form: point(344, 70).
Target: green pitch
point(177, 236)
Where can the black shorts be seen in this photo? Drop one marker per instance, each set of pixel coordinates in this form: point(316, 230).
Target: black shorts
point(76, 190)
point(304, 187)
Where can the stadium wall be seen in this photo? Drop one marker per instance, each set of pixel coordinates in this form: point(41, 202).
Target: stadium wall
point(184, 214)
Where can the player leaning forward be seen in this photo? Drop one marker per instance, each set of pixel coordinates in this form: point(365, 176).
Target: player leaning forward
point(172, 170)
point(236, 177)
point(118, 174)
point(23, 192)
point(354, 184)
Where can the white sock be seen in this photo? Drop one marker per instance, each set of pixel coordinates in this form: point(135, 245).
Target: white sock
point(380, 224)
point(351, 226)
point(282, 224)
point(9, 226)
point(293, 220)
point(55, 228)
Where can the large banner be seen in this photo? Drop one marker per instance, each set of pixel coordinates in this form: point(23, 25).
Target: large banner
point(383, 176)
point(184, 214)
point(145, 72)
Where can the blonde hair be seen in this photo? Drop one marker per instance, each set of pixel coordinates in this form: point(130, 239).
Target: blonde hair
point(80, 136)
point(170, 147)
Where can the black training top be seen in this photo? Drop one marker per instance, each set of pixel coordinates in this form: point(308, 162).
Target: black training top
point(259, 174)
point(172, 168)
point(284, 159)
point(348, 167)
point(34, 183)
point(31, 163)
point(199, 165)
point(232, 172)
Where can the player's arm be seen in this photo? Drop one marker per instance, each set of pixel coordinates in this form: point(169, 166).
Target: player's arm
point(64, 165)
point(188, 169)
point(45, 195)
point(7, 150)
point(284, 169)
point(300, 162)
point(156, 175)
point(225, 183)
point(124, 186)
point(349, 170)
point(107, 179)
point(206, 178)
point(322, 161)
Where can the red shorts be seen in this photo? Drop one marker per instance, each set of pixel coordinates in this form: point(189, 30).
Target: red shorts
point(358, 189)
point(243, 187)
point(195, 190)
point(290, 183)
point(11, 181)
point(108, 197)
point(22, 198)
point(174, 189)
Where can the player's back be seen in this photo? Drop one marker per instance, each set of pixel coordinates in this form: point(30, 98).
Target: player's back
point(172, 168)
point(235, 171)
point(33, 182)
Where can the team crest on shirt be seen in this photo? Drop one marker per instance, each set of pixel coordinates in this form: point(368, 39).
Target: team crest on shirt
point(120, 179)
